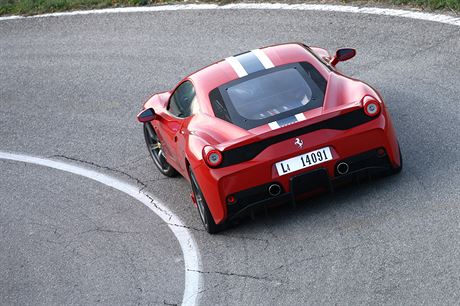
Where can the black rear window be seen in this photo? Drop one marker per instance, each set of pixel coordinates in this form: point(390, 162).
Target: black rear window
point(269, 95)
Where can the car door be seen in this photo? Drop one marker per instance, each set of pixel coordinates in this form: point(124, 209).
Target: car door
point(180, 106)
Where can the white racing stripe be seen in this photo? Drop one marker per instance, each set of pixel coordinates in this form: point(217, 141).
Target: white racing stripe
point(188, 245)
point(263, 58)
point(261, 6)
point(274, 125)
point(237, 67)
point(300, 117)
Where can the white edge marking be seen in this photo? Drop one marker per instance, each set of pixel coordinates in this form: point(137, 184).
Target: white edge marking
point(274, 125)
point(261, 6)
point(236, 65)
point(263, 58)
point(300, 117)
point(187, 243)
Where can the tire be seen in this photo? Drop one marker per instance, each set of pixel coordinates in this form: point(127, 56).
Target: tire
point(154, 148)
point(203, 210)
point(398, 169)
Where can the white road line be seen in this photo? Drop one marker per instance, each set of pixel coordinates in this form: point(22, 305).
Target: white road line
point(193, 282)
point(261, 6)
point(188, 245)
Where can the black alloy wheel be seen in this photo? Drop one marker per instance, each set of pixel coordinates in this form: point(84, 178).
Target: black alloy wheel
point(205, 215)
point(156, 152)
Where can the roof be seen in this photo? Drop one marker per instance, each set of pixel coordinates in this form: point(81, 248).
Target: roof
point(234, 67)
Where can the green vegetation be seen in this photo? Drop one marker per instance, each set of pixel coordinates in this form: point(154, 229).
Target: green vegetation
point(452, 5)
point(31, 7)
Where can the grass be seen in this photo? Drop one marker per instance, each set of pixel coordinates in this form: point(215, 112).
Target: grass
point(31, 7)
point(451, 5)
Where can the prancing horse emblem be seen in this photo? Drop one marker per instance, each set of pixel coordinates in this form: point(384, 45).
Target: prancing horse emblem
point(299, 142)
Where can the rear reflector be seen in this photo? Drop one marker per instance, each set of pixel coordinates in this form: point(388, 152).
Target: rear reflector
point(231, 199)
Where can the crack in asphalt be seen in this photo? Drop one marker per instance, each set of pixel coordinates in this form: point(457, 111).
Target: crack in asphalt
point(142, 185)
point(105, 230)
point(187, 227)
point(131, 177)
point(138, 181)
point(152, 201)
point(255, 277)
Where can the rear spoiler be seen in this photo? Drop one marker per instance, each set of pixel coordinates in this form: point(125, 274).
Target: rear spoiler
point(246, 148)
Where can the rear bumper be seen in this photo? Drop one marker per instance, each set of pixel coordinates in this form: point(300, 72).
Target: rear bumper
point(260, 172)
point(366, 164)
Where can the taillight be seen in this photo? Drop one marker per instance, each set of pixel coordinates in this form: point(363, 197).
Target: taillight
point(212, 157)
point(231, 199)
point(371, 106)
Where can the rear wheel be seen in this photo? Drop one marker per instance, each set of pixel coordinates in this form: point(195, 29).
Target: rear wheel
point(156, 152)
point(399, 168)
point(205, 215)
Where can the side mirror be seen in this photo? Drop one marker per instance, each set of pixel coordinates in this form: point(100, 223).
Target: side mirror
point(343, 55)
point(146, 115)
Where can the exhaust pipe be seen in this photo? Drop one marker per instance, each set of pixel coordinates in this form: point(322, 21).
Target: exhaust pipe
point(274, 190)
point(342, 168)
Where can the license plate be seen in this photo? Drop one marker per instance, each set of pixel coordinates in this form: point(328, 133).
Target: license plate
point(303, 161)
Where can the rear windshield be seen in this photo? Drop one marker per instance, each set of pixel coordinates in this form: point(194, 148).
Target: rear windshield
point(269, 95)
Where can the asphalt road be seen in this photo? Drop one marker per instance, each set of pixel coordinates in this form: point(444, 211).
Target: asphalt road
point(70, 90)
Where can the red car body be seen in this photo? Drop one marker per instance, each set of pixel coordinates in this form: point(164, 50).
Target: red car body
point(365, 143)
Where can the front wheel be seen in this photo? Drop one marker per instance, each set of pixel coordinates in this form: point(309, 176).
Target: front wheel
point(205, 215)
point(156, 151)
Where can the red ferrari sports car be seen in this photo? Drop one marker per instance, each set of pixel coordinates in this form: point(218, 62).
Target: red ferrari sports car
point(267, 126)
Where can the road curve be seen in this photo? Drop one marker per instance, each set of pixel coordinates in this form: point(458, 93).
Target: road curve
point(187, 243)
point(70, 90)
